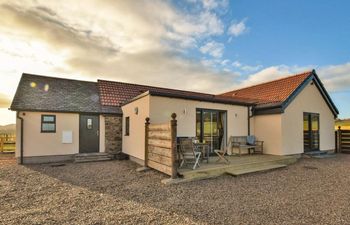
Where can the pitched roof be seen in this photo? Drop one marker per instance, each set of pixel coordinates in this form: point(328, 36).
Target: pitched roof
point(50, 94)
point(276, 91)
point(118, 93)
point(274, 96)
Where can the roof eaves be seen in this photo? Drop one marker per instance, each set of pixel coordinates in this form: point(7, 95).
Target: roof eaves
point(321, 88)
point(60, 111)
point(198, 98)
point(267, 82)
point(325, 95)
point(292, 96)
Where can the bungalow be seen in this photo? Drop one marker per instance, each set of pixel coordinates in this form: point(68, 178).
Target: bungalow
point(58, 119)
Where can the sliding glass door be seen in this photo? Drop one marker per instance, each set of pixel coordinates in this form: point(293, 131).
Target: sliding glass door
point(311, 132)
point(211, 127)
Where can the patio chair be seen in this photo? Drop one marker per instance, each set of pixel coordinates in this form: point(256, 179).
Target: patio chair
point(188, 153)
point(223, 151)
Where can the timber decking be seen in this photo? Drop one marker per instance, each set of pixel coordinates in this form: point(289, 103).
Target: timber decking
point(236, 166)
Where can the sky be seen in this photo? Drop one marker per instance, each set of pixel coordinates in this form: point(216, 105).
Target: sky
point(200, 45)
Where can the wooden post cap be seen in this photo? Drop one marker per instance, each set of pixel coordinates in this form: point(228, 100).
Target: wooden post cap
point(173, 115)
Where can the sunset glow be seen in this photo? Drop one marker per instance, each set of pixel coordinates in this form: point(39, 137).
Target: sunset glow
point(207, 46)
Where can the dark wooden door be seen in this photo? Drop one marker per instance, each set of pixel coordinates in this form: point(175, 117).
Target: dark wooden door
point(311, 132)
point(89, 133)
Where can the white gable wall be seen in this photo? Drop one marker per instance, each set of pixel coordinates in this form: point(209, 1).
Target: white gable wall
point(134, 143)
point(308, 100)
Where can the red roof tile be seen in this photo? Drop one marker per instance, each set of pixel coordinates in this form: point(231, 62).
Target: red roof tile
point(117, 93)
point(276, 91)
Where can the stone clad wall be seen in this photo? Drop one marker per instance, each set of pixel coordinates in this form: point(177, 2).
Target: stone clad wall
point(113, 134)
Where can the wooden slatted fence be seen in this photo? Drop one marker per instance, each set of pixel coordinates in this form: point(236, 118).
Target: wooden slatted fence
point(343, 140)
point(7, 142)
point(160, 146)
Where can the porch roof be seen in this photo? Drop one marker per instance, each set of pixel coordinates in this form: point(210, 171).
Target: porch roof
point(118, 94)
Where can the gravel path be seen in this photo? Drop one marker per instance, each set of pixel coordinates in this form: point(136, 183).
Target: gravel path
point(312, 191)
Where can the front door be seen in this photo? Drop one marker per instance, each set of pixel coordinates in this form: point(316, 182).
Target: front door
point(311, 132)
point(89, 133)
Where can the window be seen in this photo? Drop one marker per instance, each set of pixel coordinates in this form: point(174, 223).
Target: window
point(89, 124)
point(48, 124)
point(127, 126)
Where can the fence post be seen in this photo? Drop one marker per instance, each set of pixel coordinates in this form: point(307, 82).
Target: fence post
point(173, 125)
point(1, 144)
point(146, 140)
point(339, 140)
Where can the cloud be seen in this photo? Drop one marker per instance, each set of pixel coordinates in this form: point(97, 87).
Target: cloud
point(224, 62)
point(213, 48)
point(122, 40)
point(4, 101)
point(237, 28)
point(171, 71)
point(48, 27)
point(246, 68)
point(212, 4)
point(236, 64)
point(267, 74)
point(335, 77)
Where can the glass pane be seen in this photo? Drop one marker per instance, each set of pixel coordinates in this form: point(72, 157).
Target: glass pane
point(306, 132)
point(48, 119)
point(214, 124)
point(127, 125)
point(48, 127)
point(306, 122)
point(207, 123)
point(314, 123)
point(315, 131)
point(89, 124)
point(198, 124)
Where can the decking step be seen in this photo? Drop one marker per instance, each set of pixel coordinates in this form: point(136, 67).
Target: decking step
point(92, 157)
point(254, 169)
point(312, 153)
point(92, 154)
point(324, 156)
point(320, 154)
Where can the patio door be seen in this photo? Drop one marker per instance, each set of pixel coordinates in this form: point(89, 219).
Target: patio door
point(211, 127)
point(311, 132)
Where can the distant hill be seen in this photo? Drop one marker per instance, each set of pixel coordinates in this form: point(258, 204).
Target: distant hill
point(10, 129)
point(344, 123)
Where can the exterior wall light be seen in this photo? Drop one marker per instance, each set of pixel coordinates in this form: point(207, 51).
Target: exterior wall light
point(136, 110)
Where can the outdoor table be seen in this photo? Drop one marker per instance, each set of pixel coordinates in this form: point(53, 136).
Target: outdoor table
point(204, 148)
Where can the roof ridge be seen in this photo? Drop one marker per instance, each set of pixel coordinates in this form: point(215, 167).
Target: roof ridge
point(172, 89)
point(58, 78)
point(266, 82)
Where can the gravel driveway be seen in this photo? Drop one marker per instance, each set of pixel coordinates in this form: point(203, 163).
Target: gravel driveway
point(312, 191)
